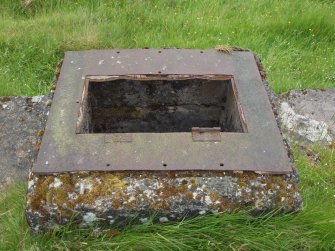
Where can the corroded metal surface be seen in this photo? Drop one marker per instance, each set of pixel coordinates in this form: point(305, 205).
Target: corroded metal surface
point(206, 134)
point(259, 148)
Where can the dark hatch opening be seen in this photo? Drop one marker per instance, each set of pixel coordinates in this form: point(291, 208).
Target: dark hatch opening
point(157, 106)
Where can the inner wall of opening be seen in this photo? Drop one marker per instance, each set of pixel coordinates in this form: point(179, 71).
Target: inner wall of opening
point(134, 106)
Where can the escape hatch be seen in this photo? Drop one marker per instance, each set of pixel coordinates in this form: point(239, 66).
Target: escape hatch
point(168, 109)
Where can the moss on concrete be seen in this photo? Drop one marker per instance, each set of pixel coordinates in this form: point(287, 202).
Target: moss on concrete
point(112, 195)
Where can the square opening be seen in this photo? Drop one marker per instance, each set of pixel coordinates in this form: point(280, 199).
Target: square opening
point(158, 106)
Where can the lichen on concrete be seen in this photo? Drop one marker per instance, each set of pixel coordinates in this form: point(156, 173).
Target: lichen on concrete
point(303, 126)
point(307, 116)
point(110, 197)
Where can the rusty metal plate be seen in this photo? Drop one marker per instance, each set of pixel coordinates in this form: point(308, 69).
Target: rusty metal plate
point(259, 147)
point(206, 134)
point(118, 137)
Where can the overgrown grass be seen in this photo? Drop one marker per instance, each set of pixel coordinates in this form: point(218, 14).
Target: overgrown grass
point(311, 229)
point(296, 39)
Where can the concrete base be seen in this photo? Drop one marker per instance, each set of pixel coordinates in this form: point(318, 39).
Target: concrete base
point(108, 198)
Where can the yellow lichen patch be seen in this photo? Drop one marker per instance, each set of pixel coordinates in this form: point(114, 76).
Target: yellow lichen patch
point(39, 196)
point(269, 184)
point(221, 203)
point(242, 183)
point(214, 196)
point(168, 190)
point(116, 204)
point(182, 188)
point(37, 146)
point(160, 205)
point(103, 185)
point(193, 184)
point(184, 182)
point(189, 195)
point(60, 195)
point(276, 179)
point(60, 198)
point(225, 205)
point(40, 133)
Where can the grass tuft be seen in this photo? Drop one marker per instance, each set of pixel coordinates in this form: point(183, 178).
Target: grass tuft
point(296, 39)
point(224, 49)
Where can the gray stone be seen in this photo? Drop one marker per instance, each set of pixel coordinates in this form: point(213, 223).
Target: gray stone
point(22, 122)
point(308, 116)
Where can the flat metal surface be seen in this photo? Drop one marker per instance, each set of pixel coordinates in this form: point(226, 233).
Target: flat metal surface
point(260, 149)
point(206, 134)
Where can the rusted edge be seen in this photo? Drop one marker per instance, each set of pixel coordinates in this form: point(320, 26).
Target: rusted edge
point(206, 133)
point(88, 79)
point(240, 111)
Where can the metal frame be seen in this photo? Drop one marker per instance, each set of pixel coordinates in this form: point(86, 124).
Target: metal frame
point(260, 148)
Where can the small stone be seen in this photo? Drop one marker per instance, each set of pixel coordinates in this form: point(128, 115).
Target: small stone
point(143, 220)
point(36, 99)
point(307, 128)
point(30, 184)
point(57, 183)
point(89, 218)
point(48, 103)
point(163, 219)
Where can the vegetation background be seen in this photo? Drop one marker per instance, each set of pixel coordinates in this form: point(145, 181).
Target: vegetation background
point(296, 41)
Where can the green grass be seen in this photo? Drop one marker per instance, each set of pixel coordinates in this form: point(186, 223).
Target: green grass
point(296, 39)
point(311, 229)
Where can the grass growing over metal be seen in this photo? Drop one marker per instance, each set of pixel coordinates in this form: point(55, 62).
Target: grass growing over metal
point(311, 229)
point(296, 39)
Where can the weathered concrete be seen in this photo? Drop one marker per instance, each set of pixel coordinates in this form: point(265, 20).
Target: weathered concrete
point(109, 198)
point(308, 116)
point(22, 122)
